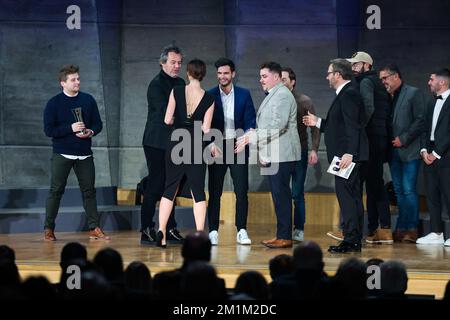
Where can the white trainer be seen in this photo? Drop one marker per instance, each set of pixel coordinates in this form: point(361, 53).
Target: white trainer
point(447, 243)
point(298, 235)
point(214, 237)
point(242, 237)
point(431, 238)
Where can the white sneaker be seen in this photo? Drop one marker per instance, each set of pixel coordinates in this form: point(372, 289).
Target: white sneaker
point(298, 235)
point(447, 243)
point(214, 237)
point(242, 237)
point(431, 238)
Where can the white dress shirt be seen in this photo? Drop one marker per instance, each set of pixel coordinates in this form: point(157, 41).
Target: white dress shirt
point(228, 112)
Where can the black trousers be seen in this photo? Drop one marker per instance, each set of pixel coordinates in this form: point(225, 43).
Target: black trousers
point(282, 198)
point(437, 189)
point(216, 176)
point(348, 192)
point(372, 174)
point(85, 172)
point(156, 164)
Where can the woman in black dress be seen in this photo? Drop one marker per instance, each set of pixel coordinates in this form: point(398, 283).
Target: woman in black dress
point(190, 110)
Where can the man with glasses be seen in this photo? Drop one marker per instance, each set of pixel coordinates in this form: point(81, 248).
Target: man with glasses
point(345, 138)
point(377, 111)
point(408, 105)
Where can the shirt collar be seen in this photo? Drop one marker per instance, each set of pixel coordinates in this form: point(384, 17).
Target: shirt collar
point(445, 94)
point(69, 95)
point(341, 86)
point(223, 94)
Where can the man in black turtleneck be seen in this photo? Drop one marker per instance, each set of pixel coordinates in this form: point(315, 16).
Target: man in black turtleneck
point(377, 110)
point(156, 137)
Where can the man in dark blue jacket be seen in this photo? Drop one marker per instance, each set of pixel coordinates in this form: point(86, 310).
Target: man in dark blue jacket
point(234, 110)
point(71, 119)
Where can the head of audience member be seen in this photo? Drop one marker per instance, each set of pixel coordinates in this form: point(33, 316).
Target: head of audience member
point(69, 79)
point(170, 60)
point(7, 253)
point(110, 261)
point(225, 72)
point(200, 282)
point(447, 292)
point(352, 277)
point(280, 265)
point(138, 277)
point(394, 278)
point(374, 262)
point(72, 251)
point(391, 77)
point(253, 284)
point(339, 71)
point(39, 288)
point(196, 247)
point(361, 62)
point(439, 81)
point(308, 256)
point(196, 70)
point(288, 78)
point(9, 274)
point(270, 75)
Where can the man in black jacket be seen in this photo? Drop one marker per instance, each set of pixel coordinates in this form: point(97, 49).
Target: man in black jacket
point(377, 108)
point(435, 152)
point(345, 138)
point(156, 137)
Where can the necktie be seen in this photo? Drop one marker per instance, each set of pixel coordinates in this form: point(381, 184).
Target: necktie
point(439, 97)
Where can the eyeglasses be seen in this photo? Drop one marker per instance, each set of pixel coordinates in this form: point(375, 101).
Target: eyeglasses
point(385, 77)
point(328, 73)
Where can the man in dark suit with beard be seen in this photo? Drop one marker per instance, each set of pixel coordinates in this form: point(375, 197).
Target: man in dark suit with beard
point(345, 138)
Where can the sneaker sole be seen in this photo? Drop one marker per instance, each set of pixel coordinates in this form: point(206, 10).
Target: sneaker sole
point(244, 243)
point(334, 237)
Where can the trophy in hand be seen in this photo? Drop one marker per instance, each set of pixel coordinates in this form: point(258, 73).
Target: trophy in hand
point(79, 118)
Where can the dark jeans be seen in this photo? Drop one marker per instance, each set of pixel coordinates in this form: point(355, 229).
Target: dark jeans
point(216, 176)
point(156, 164)
point(298, 191)
point(404, 178)
point(282, 198)
point(85, 172)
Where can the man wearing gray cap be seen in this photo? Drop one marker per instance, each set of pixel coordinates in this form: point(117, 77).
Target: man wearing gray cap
point(377, 112)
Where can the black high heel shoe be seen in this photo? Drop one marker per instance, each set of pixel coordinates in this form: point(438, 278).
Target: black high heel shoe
point(159, 238)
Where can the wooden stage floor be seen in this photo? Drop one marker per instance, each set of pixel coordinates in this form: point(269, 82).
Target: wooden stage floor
point(428, 266)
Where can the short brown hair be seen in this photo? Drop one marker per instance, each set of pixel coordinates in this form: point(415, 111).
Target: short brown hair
point(343, 67)
point(196, 69)
point(66, 70)
point(273, 67)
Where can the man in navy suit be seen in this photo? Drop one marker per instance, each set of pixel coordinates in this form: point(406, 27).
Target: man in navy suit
point(234, 111)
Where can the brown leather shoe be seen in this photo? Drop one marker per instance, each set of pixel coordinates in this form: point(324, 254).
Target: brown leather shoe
point(49, 235)
point(410, 236)
point(280, 243)
point(97, 234)
point(265, 242)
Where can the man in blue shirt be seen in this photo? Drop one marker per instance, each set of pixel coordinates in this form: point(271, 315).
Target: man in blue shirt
point(71, 139)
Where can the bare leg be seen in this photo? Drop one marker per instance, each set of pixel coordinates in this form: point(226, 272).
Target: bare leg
point(199, 213)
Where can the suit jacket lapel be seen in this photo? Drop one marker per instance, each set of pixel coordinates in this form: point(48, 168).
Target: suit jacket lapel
point(337, 96)
point(399, 101)
point(443, 110)
point(268, 97)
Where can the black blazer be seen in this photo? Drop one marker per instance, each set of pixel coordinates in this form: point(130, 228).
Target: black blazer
point(343, 127)
point(156, 132)
point(441, 133)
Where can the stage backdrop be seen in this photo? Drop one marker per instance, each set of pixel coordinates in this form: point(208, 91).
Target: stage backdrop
point(117, 45)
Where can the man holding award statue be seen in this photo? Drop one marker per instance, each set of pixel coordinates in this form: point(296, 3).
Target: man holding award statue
point(346, 139)
point(71, 119)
